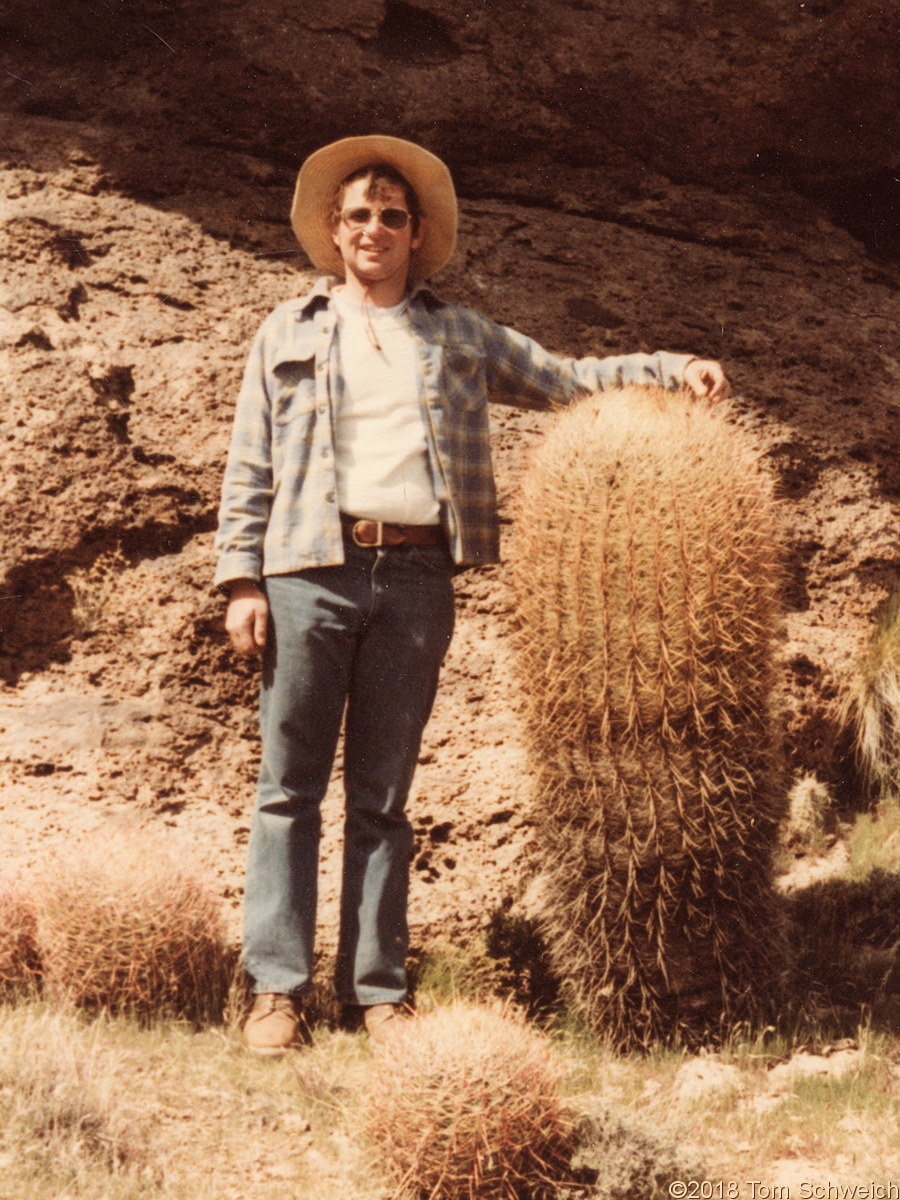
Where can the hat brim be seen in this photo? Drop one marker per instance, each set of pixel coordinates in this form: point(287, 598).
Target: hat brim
point(429, 178)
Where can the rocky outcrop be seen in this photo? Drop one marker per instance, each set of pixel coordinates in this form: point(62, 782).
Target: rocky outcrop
point(751, 96)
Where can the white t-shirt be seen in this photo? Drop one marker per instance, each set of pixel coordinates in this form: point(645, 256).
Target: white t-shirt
point(381, 456)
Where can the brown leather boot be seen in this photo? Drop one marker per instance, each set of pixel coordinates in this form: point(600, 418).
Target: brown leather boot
point(274, 1025)
point(383, 1022)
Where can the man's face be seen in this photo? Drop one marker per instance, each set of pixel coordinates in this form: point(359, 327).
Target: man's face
point(373, 253)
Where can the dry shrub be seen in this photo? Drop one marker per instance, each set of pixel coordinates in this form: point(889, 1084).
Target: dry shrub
point(123, 927)
point(20, 961)
point(622, 1162)
point(647, 578)
point(467, 1104)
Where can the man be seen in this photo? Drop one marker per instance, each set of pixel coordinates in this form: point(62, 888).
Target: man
point(359, 480)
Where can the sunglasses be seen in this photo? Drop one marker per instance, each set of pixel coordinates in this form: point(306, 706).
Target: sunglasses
point(391, 218)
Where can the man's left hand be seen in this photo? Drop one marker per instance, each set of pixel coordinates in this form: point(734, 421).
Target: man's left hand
point(706, 379)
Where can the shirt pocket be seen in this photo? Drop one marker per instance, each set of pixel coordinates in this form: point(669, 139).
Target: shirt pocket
point(293, 419)
point(464, 377)
point(293, 389)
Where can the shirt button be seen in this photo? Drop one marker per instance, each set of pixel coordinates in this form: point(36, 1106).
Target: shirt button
point(321, 408)
point(329, 497)
point(325, 451)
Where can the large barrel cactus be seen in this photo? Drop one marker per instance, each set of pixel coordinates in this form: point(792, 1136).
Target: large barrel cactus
point(647, 574)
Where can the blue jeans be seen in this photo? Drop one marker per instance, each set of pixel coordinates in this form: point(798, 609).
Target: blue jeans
point(367, 637)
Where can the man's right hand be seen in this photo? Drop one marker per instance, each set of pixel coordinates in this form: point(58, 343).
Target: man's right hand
point(247, 617)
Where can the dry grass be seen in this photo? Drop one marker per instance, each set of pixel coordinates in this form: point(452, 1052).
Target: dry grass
point(65, 1108)
point(627, 1163)
point(108, 1109)
point(99, 1109)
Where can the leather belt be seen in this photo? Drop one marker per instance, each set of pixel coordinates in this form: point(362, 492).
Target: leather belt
point(380, 533)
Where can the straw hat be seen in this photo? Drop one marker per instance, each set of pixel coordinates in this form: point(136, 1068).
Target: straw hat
point(323, 171)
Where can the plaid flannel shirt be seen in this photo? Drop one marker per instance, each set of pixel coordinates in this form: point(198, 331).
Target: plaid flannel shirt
point(279, 497)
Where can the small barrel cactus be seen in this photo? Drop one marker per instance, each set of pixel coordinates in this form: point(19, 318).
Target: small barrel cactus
point(124, 927)
point(468, 1104)
point(647, 574)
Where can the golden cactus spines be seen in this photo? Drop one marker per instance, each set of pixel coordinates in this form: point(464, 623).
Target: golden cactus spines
point(647, 577)
point(469, 1104)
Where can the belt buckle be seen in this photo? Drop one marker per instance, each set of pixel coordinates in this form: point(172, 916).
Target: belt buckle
point(367, 545)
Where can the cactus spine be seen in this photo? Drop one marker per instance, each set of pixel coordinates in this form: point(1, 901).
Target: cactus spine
point(647, 580)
